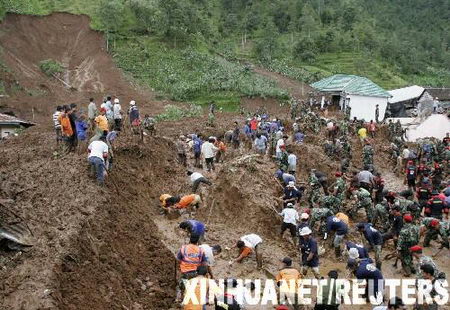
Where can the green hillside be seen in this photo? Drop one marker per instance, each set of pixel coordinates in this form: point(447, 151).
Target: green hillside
point(193, 50)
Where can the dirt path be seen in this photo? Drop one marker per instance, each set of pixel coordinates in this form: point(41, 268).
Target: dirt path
point(297, 89)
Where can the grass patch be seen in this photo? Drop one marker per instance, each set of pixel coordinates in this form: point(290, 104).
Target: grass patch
point(224, 102)
point(51, 67)
point(173, 113)
point(188, 74)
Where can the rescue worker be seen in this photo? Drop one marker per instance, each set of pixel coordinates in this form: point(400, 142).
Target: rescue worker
point(320, 215)
point(190, 257)
point(194, 228)
point(309, 253)
point(374, 238)
point(420, 260)
point(365, 270)
point(340, 229)
point(247, 245)
point(360, 249)
point(436, 207)
point(286, 277)
point(364, 200)
point(435, 228)
point(290, 218)
point(408, 237)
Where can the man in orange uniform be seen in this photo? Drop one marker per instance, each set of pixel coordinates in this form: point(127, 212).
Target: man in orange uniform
point(66, 128)
point(190, 257)
point(285, 276)
point(184, 202)
point(198, 281)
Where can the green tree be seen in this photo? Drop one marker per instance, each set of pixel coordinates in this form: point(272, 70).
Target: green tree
point(305, 50)
point(111, 15)
point(267, 47)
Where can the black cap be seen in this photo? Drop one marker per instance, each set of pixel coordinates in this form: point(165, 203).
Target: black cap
point(287, 261)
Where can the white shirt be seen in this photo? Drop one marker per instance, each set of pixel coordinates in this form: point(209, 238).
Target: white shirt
point(251, 241)
point(292, 162)
point(208, 254)
point(97, 148)
point(117, 109)
point(290, 216)
point(195, 176)
point(406, 153)
point(280, 142)
point(209, 150)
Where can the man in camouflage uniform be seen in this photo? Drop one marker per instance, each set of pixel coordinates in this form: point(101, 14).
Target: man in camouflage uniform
point(284, 164)
point(320, 215)
point(364, 201)
point(435, 228)
point(381, 216)
point(340, 187)
point(367, 154)
point(391, 129)
point(408, 237)
point(315, 193)
point(420, 260)
point(408, 206)
point(331, 202)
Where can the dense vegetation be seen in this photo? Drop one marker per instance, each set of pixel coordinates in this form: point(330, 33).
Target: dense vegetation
point(190, 49)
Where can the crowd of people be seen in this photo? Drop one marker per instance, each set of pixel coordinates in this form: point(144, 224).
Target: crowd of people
point(94, 129)
point(357, 215)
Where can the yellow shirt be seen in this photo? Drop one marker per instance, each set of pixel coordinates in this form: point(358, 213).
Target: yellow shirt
point(102, 122)
point(362, 133)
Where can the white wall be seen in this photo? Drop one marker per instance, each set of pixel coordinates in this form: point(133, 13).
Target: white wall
point(7, 129)
point(363, 107)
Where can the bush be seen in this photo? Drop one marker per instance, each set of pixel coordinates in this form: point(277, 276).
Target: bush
point(51, 67)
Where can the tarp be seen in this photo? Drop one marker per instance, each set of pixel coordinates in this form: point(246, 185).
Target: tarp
point(436, 125)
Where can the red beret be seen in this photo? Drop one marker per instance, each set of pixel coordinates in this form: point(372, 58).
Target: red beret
point(416, 248)
point(407, 218)
point(434, 223)
point(338, 174)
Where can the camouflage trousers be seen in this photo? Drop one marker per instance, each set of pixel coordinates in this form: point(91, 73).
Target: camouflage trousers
point(314, 197)
point(431, 234)
point(407, 261)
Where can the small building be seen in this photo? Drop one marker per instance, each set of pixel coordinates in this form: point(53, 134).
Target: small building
point(403, 102)
point(10, 124)
point(359, 93)
point(430, 96)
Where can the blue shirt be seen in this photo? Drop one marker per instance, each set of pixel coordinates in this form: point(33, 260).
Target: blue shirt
point(197, 227)
point(247, 130)
point(299, 137)
point(81, 127)
point(335, 224)
point(372, 235)
point(198, 145)
point(367, 271)
point(307, 247)
point(362, 251)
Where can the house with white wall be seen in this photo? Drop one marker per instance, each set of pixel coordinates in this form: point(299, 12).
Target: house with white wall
point(359, 93)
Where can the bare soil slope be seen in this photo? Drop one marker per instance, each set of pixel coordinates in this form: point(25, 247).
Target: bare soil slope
point(68, 39)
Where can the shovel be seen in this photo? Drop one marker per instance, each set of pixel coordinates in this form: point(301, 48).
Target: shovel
point(18, 235)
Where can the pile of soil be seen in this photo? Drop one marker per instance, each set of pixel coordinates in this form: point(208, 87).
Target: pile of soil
point(88, 68)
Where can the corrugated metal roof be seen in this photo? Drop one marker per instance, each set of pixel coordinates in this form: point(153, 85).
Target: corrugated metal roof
point(406, 93)
point(351, 84)
point(8, 119)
